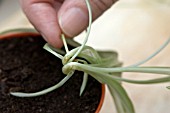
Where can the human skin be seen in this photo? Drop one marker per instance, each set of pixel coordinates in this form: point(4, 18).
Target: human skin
point(54, 17)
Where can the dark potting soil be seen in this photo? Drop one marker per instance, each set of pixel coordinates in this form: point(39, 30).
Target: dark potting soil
point(25, 66)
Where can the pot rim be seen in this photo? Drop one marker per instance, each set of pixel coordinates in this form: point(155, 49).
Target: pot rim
point(21, 34)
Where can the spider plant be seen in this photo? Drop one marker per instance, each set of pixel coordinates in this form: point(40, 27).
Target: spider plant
point(104, 66)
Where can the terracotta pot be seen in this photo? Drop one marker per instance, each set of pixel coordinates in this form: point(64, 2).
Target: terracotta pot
point(10, 35)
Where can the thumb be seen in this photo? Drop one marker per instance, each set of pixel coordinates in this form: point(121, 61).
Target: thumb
point(73, 15)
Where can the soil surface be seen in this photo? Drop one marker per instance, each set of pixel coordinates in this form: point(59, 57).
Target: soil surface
point(25, 66)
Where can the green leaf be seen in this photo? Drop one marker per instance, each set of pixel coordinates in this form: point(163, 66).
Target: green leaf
point(152, 55)
point(105, 54)
point(45, 91)
point(50, 49)
point(121, 99)
point(84, 83)
point(153, 70)
point(72, 42)
point(19, 30)
point(108, 59)
point(115, 75)
point(168, 87)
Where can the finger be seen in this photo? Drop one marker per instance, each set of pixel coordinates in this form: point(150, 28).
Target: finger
point(73, 15)
point(43, 15)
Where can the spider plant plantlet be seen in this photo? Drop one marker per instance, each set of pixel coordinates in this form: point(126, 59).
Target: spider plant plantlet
point(104, 66)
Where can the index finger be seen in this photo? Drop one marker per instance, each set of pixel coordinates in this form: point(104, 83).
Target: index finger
point(43, 15)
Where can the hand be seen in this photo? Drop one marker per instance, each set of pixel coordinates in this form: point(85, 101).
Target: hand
point(53, 17)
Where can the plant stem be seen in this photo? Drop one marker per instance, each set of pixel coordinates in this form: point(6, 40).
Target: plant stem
point(152, 55)
point(88, 31)
point(65, 43)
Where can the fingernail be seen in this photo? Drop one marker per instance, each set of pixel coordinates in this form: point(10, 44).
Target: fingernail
point(73, 21)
